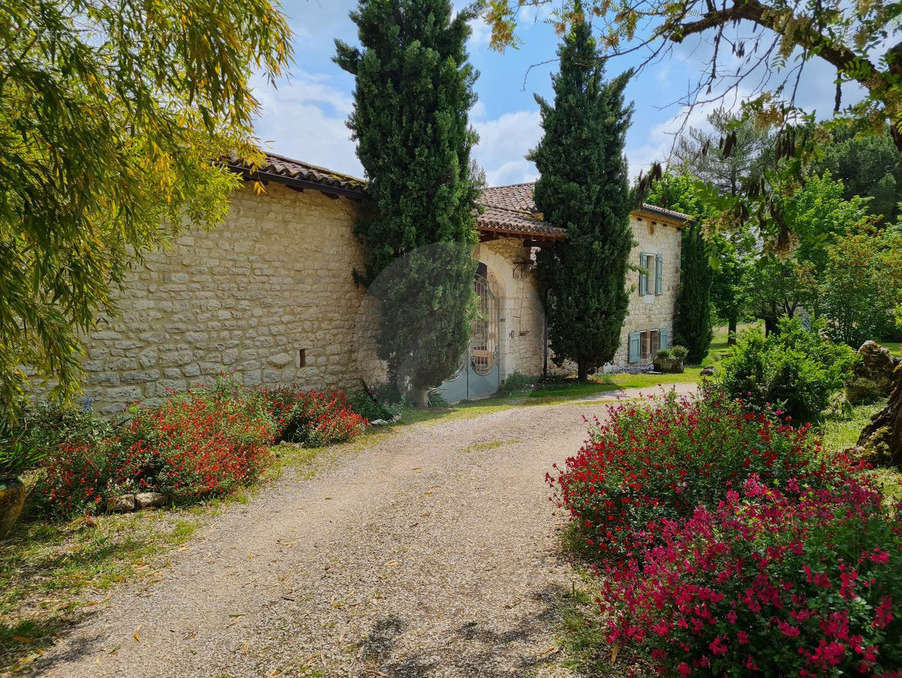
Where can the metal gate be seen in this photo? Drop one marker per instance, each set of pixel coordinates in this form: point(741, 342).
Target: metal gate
point(479, 373)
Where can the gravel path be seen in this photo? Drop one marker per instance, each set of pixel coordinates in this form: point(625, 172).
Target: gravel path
point(430, 553)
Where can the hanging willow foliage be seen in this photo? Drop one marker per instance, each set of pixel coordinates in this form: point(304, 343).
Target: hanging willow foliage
point(112, 115)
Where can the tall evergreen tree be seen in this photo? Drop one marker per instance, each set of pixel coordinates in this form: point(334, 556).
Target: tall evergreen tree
point(414, 88)
point(692, 325)
point(584, 188)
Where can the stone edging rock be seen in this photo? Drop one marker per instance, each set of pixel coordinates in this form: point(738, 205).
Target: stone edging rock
point(126, 503)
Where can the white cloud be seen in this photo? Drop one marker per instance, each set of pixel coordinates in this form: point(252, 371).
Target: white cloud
point(304, 118)
point(659, 142)
point(481, 34)
point(503, 145)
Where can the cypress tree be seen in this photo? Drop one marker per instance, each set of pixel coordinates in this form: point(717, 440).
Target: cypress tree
point(583, 187)
point(692, 325)
point(414, 87)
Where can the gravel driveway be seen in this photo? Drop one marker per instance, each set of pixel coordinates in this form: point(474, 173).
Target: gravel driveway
point(429, 553)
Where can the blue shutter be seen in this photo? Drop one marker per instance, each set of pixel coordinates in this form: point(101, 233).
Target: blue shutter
point(634, 347)
point(659, 274)
point(665, 340)
point(643, 276)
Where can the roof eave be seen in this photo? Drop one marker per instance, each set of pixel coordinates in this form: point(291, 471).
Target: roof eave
point(297, 183)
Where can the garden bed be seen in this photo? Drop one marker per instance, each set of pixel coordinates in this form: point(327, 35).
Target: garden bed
point(722, 538)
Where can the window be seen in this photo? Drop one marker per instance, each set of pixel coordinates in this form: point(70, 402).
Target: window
point(652, 265)
point(650, 342)
point(644, 344)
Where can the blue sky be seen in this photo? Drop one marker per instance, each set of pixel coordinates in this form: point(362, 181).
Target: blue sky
point(304, 117)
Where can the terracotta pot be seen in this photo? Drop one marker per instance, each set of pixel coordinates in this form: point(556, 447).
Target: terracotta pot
point(12, 499)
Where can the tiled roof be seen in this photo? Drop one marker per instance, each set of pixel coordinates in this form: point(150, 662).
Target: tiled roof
point(507, 210)
point(664, 212)
point(300, 175)
point(513, 222)
point(519, 197)
point(510, 210)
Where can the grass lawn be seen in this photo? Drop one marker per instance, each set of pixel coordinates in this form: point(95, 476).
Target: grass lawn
point(841, 433)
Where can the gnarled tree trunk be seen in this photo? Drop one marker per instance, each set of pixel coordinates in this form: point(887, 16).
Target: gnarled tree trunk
point(884, 434)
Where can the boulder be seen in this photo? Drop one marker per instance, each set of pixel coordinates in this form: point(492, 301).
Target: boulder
point(124, 503)
point(882, 437)
point(873, 377)
point(149, 499)
point(707, 371)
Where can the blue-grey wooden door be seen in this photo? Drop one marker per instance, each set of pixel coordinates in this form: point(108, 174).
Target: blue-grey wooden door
point(479, 374)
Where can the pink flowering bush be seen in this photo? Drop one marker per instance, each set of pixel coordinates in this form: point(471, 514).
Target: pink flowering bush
point(768, 582)
point(662, 459)
point(313, 418)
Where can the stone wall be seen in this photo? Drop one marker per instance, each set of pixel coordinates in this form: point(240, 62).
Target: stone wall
point(269, 287)
point(272, 287)
point(651, 312)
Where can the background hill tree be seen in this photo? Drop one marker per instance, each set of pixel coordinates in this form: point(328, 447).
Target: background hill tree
point(868, 165)
point(414, 87)
point(112, 115)
point(583, 187)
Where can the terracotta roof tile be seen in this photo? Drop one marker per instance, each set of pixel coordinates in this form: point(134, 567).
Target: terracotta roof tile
point(506, 209)
point(513, 222)
point(301, 175)
point(519, 197)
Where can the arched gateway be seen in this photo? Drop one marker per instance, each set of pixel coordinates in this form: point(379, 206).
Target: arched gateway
point(479, 373)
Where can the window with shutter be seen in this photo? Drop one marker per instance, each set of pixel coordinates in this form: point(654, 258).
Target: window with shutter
point(659, 274)
point(665, 338)
point(633, 356)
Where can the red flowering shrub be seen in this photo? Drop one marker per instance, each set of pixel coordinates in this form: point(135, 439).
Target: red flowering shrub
point(203, 442)
point(664, 459)
point(313, 418)
point(76, 478)
point(769, 582)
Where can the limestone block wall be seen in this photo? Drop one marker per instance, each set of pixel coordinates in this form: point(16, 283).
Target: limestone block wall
point(650, 312)
point(521, 312)
point(268, 295)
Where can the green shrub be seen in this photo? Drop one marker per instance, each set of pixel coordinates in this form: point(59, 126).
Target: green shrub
point(516, 383)
point(371, 408)
point(664, 354)
point(679, 352)
point(794, 369)
point(436, 399)
point(25, 443)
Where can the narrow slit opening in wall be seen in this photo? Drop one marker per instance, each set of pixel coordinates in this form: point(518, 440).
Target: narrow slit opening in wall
point(302, 357)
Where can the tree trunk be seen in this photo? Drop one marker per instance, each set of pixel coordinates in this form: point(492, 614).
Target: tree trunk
point(419, 395)
point(582, 372)
point(731, 331)
point(883, 436)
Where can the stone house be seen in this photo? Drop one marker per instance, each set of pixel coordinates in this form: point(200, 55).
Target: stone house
point(269, 295)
